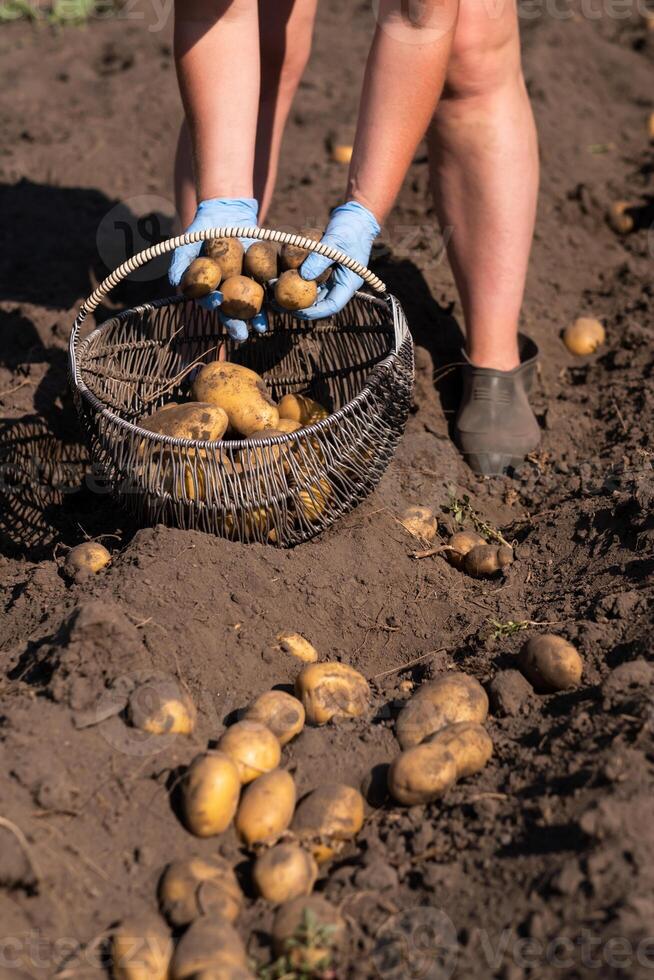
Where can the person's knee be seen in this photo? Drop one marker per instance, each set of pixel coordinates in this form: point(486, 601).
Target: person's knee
point(485, 51)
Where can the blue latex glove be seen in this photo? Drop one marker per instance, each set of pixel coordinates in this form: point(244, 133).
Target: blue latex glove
point(352, 229)
point(219, 212)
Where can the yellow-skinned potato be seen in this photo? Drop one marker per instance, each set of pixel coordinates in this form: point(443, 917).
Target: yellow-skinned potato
point(252, 747)
point(226, 971)
point(327, 817)
point(141, 948)
point(288, 425)
point(584, 336)
point(292, 292)
point(280, 712)
point(162, 706)
point(261, 261)
point(292, 256)
point(421, 774)
point(228, 253)
point(312, 501)
point(460, 544)
point(332, 690)
point(302, 409)
point(619, 218)
point(486, 560)
point(296, 926)
point(550, 663)
point(342, 153)
point(469, 744)
point(198, 886)
point(298, 646)
point(202, 276)
point(266, 808)
point(452, 698)
point(284, 872)
point(194, 420)
point(210, 793)
point(242, 297)
point(420, 522)
point(209, 943)
point(87, 558)
point(240, 392)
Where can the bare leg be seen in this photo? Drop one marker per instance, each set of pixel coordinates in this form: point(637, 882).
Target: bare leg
point(484, 168)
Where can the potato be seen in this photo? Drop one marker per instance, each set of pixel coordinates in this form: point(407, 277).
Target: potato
point(452, 698)
point(253, 748)
point(619, 218)
point(292, 256)
point(550, 663)
point(258, 523)
point(302, 409)
point(298, 646)
point(650, 121)
point(198, 886)
point(86, 559)
point(280, 712)
point(228, 253)
point(327, 817)
point(141, 948)
point(421, 774)
point(225, 971)
point(209, 942)
point(288, 425)
point(199, 420)
point(306, 930)
point(266, 808)
point(260, 261)
point(486, 560)
point(332, 690)
point(202, 276)
point(312, 501)
point(420, 522)
point(242, 297)
point(210, 792)
point(341, 153)
point(284, 872)
point(162, 706)
point(468, 743)
point(240, 392)
point(292, 292)
point(584, 335)
point(461, 543)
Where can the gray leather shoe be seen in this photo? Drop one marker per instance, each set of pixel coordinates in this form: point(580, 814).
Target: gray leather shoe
point(495, 427)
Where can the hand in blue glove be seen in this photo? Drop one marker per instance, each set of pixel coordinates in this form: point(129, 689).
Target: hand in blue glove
point(219, 212)
point(352, 229)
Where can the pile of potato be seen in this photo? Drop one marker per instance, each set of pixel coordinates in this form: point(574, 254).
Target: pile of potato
point(470, 552)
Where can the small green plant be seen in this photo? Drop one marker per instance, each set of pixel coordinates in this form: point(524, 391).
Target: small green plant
point(306, 955)
point(463, 512)
point(59, 12)
point(512, 626)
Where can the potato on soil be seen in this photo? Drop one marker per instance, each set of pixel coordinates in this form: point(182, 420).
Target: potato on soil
point(469, 744)
point(342, 153)
point(327, 817)
point(332, 690)
point(421, 774)
point(266, 808)
point(242, 297)
point(302, 409)
point(292, 292)
point(550, 663)
point(452, 698)
point(141, 948)
point(240, 392)
point(584, 336)
point(460, 543)
point(209, 943)
point(210, 793)
point(284, 872)
point(280, 712)
point(420, 522)
point(202, 421)
point(619, 218)
point(86, 559)
point(306, 930)
point(228, 253)
point(198, 886)
point(252, 747)
point(260, 261)
point(162, 706)
point(650, 121)
point(298, 646)
point(487, 560)
point(201, 278)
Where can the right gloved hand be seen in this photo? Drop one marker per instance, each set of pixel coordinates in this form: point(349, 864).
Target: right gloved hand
point(219, 212)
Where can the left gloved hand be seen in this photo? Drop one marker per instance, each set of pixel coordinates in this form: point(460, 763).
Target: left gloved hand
point(352, 229)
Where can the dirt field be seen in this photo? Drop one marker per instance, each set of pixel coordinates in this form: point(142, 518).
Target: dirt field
point(542, 866)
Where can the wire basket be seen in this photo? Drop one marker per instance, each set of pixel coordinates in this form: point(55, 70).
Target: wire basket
point(281, 490)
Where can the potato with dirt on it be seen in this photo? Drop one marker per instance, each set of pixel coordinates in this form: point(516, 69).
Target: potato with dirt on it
point(284, 872)
point(332, 690)
point(292, 256)
point(266, 808)
point(252, 747)
point(312, 500)
point(419, 522)
point(287, 426)
point(210, 943)
point(584, 336)
point(202, 276)
point(210, 791)
point(619, 217)
point(327, 817)
point(280, 712)
point(240, 393)
point(141, 948)
point(460, 543)
point(307, 930)
point(242, 297)
point(301, 409)
point(452, 698)
point(292, 292)
point(421, 774)
point(260, 261)
point(488, 560)
point(468, 742)
point(198, 420)
point(228, 253)
point(162, 706)
point(550, 663)
point(196, 886)
point(86, 559)
point(298, 646)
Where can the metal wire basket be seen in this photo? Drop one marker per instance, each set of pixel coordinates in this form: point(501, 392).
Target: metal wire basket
point(281, 490)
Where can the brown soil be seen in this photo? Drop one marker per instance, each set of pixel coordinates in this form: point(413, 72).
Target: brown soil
point(543, 864)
